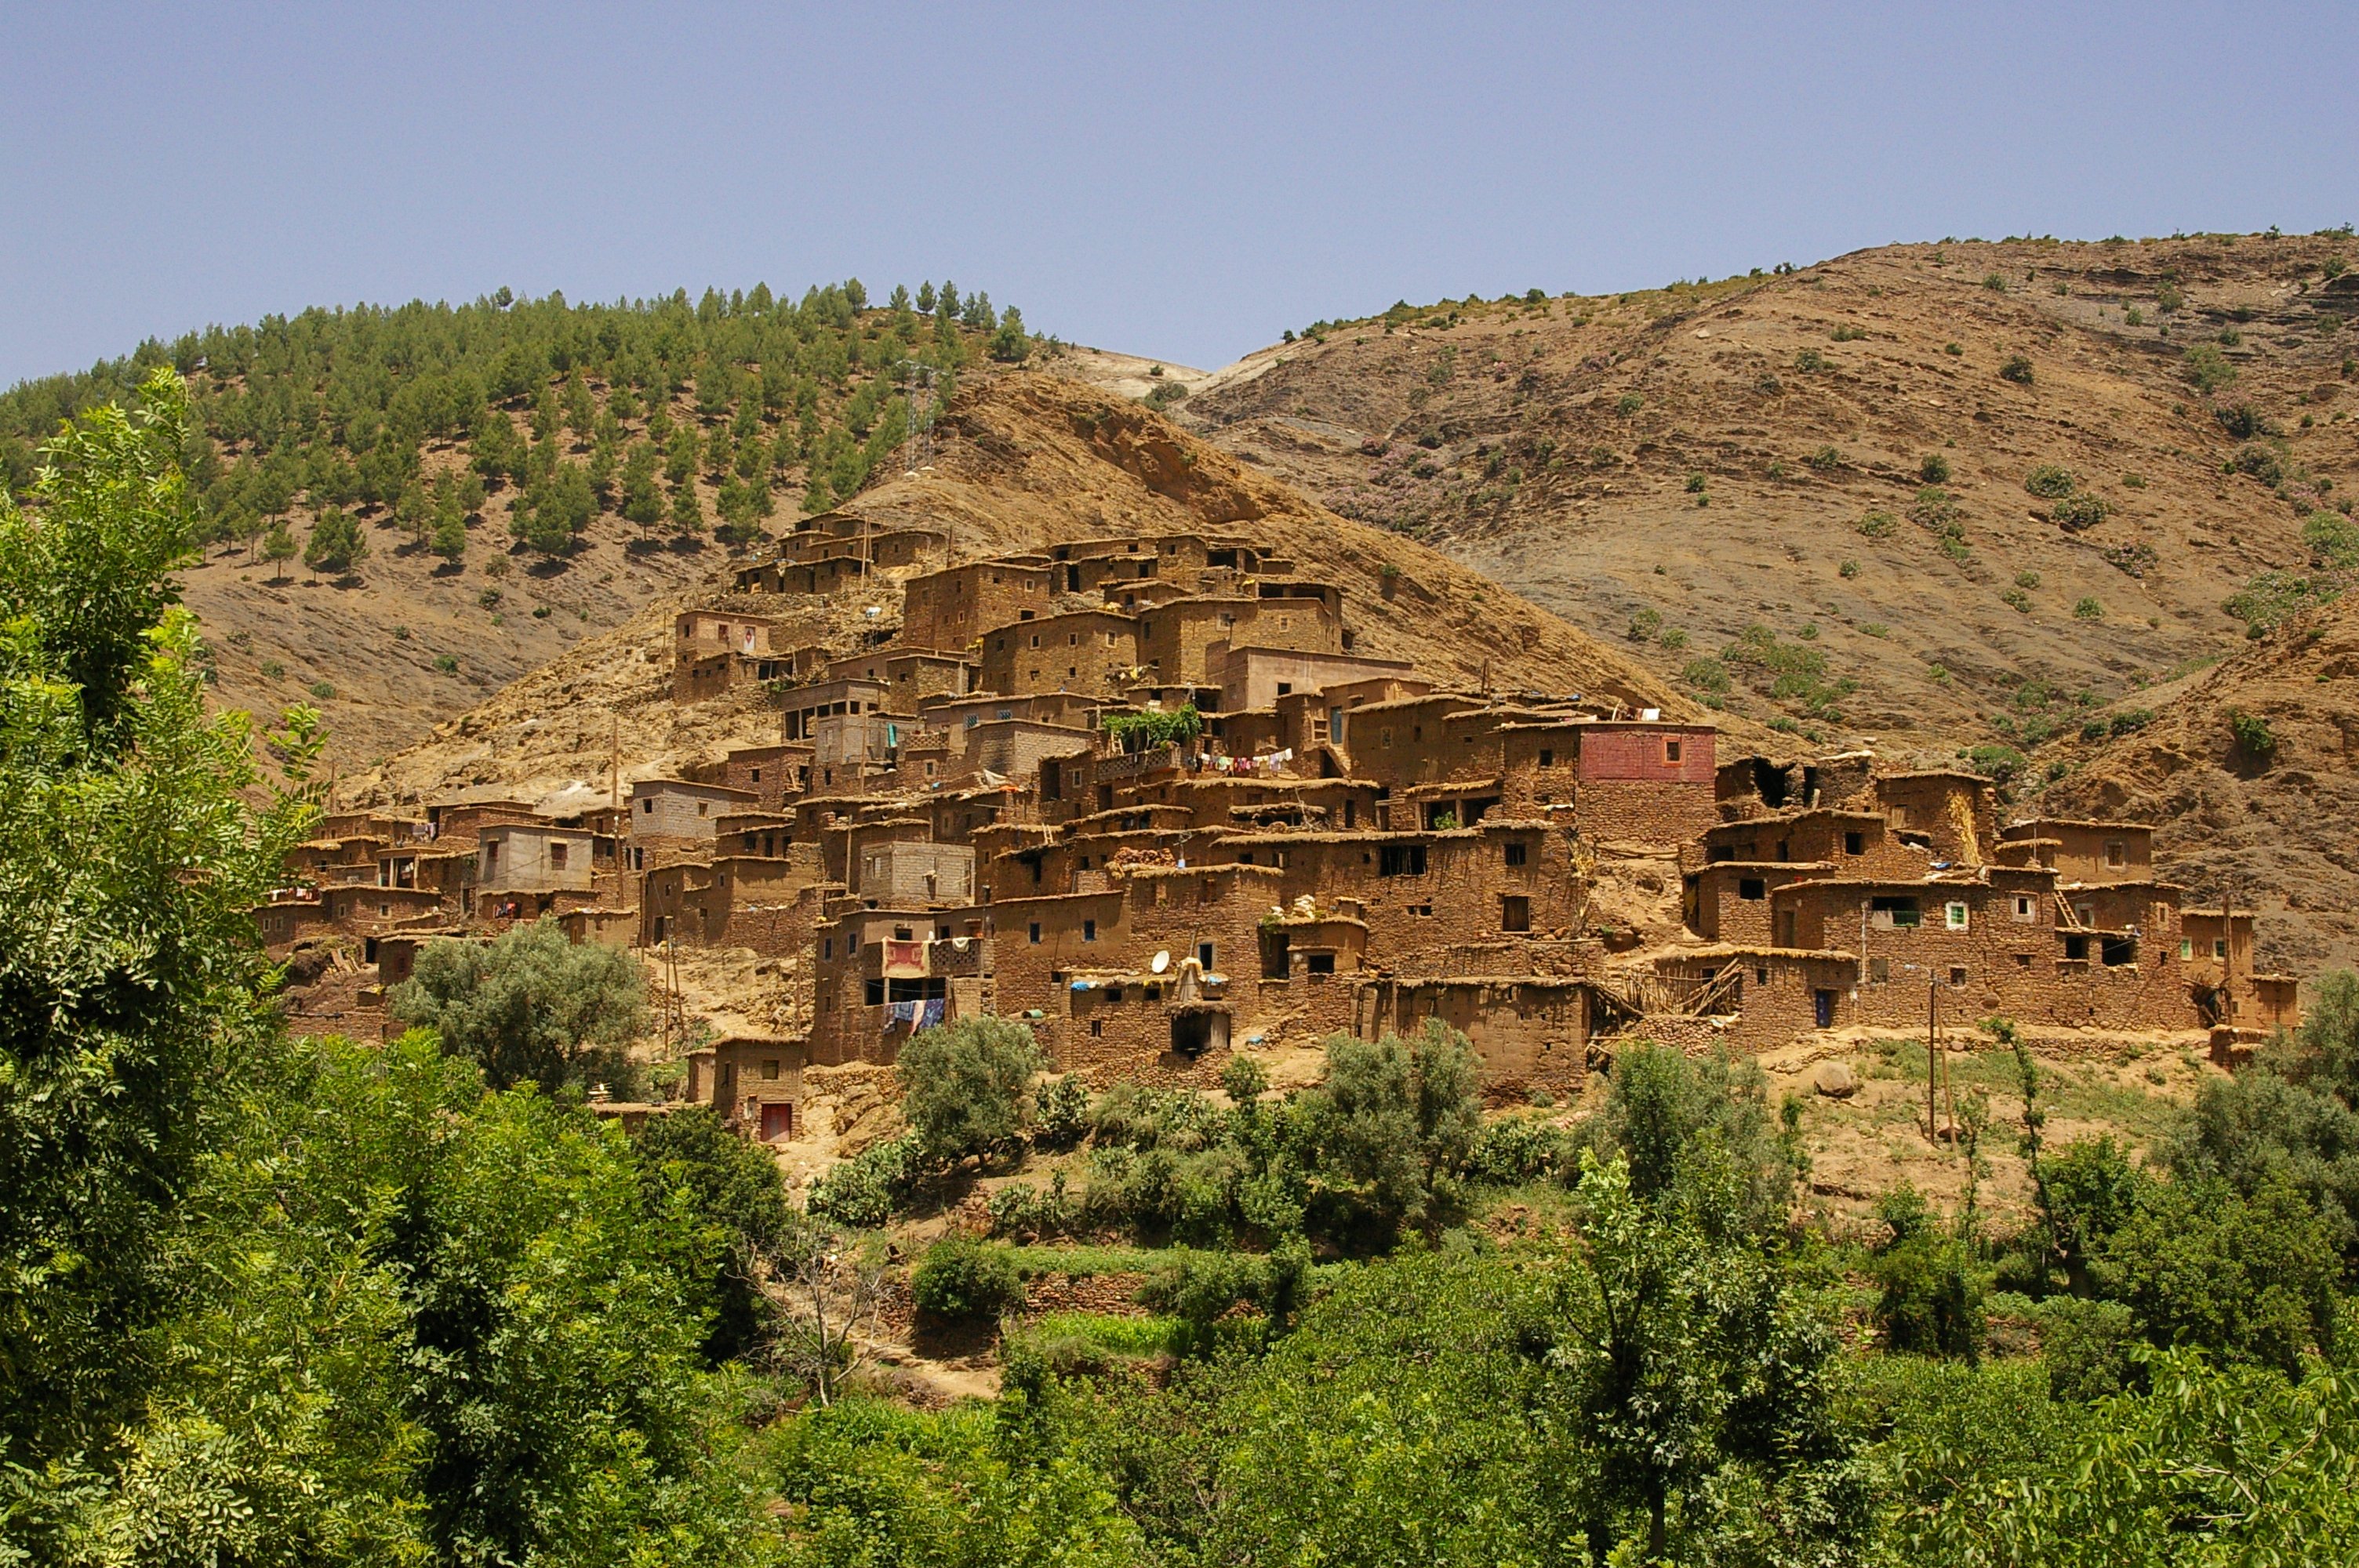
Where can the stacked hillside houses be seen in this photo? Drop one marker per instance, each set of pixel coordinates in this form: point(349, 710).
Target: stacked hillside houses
point(1147, 795)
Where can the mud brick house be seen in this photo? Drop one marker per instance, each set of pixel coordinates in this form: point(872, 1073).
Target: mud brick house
point(755, 1082)
point(948, 610)
point(1093, 652)
point(803, 709)
point(1251, 677)
point(909, 678)
point(884, 973)
point(772, 775)
point(673, 819)
point(714, 651)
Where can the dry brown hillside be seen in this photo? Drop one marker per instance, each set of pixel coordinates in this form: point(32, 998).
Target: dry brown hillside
point(2275, 830)
point(1020, 461)
point(1668, 469)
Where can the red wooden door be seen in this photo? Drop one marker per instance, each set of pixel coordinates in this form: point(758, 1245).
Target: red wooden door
point(777, 1121)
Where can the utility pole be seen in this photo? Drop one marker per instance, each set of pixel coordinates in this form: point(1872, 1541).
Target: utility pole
point(1932, 1074)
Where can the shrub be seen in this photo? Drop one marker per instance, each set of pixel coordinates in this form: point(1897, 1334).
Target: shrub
point(1696, 482)
point(2133, 317)
point(1826, 460)
point(2167, 298)
point(1704, 674)
point(1935, 510)
point(1998, 763)
point(2017, 600)
point(961, 1277)
point(2254, 735)
point(2333, 539)
point(2130, 720)
point(1645, 625)
point(1628, 404)
point(2027, 579)
point(446, 664)
point(2135, 560)
point(2088, 610)
point(1876, 525)
point(2075, 513)
point(1060, 1112)
point(2016, 369)
point(2260, 463)
point(322, 690)
point(1933, 468)
point(1995, 283)
point(1930, 1302)
point(962, 1087)
point(863, 1190)
point(1810, 362)
point(1517, 1148)
point(2051, 481)
point(2208, 368)
point(2272, 598)
point(1848, 570)
point(2242, 421)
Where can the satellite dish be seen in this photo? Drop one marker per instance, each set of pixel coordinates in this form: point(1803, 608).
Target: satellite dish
point(1162, 962)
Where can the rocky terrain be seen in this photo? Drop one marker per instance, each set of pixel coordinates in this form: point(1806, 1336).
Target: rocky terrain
point(1856, 458)
point(2252, 773)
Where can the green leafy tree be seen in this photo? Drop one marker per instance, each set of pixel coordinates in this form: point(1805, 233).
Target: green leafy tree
point(642, 500)
point(740, 1203)
point(963, 1086)
point(1931, 1302)
point(279, 547)
point(2244, 1279)
point(336, 545)
point(686, 511)
point(528, 1005)
point(1684, 1367)
point(450, 537)
point(130, 981)
point(1010, 344)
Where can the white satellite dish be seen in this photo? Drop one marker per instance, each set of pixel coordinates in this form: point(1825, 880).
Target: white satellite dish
point(1162, 962)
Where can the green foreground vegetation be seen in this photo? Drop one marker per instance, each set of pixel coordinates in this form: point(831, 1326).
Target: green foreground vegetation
point(274, 1301)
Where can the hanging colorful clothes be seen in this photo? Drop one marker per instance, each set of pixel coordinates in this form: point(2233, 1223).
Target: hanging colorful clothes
point(930, 1013)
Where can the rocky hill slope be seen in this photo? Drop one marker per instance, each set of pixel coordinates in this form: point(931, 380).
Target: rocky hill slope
point(1831, 497)
point(2253, 773)
point(1018, 461)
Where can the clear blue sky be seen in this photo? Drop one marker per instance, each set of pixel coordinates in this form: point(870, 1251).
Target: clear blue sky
point(1179, 181)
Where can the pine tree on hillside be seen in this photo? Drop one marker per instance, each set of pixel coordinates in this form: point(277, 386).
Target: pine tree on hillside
point(642, 502)
point(686, 511)
point(926, 298)
point(336, 545)
point(450, 536)
point(279, 547)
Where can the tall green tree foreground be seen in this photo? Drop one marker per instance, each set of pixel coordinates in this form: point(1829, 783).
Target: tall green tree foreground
point(2217, 1465)
point(1691, 1381)
point(419, 1324)
point(528, 1006)
point(130, 978)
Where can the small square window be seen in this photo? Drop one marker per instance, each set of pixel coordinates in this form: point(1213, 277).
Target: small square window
point(1955, 916)
point(1855, 843)
point(1547, 757)
point(1672, 751)
point(1752, 888)
point(1957, 974)
point(2023, 961)
point(1517, 853)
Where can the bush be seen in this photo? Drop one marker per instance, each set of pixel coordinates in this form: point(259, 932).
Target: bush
point(1930, 1302)
point(961, 1277)
point(962, 1087)
point(2076, 513)
point(2272, 598)
point(1060, 1112)
point(2001, 764)
point(2051, 481)
point(2088, 608)
point(1876, 525)
point(1516, 1148)
point(863, 1190)
point(1933, 468)
point(2016, 369)
point(1704, 674)
point(2242, 421)
point(2254, 735)
point(2260, 463)
point(1810, 362)
point(2208, 368)
point(2332, 538)
point(1826, 460)
point(2086, 1346)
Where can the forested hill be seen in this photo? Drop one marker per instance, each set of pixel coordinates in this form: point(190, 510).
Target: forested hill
point(405, 507)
